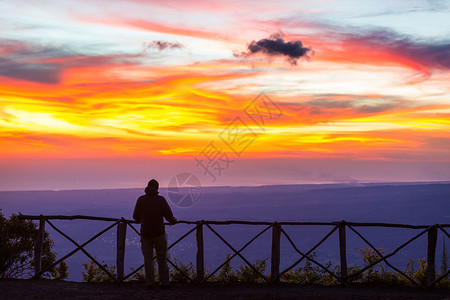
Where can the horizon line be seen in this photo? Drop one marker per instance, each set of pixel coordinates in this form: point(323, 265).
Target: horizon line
point(350, 184)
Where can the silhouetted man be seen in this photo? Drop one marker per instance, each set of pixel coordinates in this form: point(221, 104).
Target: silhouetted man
point(150, 211)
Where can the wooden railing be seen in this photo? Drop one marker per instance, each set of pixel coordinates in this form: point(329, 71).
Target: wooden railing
point(277, 230)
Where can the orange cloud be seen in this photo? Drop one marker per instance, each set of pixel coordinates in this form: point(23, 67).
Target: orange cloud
point(115, 105)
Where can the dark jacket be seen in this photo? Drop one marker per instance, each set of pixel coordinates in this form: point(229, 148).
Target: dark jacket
point(150, 211)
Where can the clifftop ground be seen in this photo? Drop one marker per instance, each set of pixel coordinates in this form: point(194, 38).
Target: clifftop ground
point(48, 289)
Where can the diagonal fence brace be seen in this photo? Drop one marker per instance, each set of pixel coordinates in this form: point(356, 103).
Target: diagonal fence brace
point(76, 249)
point(309, 258)
point(80, 247)
point(390, 254)
point(173, 244)
point(309, 252)
point(234, 255)
point(237, 253)
point(381, 256)
point(443, 230)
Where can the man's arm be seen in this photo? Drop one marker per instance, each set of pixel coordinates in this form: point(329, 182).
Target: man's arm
point(167, 212)
point(137, 212)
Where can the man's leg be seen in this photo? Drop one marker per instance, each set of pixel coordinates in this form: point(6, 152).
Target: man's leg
point(161, 256)
point(147, 251)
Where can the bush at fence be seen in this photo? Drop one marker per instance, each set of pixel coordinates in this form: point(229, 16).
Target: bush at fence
point(17, 238)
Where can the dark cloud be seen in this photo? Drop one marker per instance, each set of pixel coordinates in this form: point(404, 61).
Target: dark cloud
point(326, 103)
point(428, 53)
point(378, 107)
point(423, 54)
point(45, 64)
point(162, 45)
point(35, 72)
point(276, 46)
point(29, 62)
point(356, 103)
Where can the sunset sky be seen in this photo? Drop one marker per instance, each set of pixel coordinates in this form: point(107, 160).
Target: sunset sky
point(110, 93)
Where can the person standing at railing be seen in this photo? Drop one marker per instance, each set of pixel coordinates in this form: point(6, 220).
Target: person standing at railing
point(150, 211)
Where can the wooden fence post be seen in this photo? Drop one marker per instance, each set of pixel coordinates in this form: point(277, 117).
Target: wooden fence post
point(120, 256)
point(200, 253)
point(431, 254)
point(275, 258)
point(343, 249)
point(38, 247)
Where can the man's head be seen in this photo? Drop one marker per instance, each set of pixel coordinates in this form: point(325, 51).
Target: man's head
point(153, 185)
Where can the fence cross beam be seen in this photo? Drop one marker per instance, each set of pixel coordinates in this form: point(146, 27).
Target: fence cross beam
point(309, 258)
point(235, 254)
point(443, 230)
point(381, 256)
point(431, 284)
point(388, 255)
point(240, 255)
point(80, 247)
point(132, 227)
point(179, 270)
point(173, 244)
point(310, 251)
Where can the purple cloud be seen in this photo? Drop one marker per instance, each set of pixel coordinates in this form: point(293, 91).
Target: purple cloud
point(275, 46)
point(162, 45)
point(45, 64)
point(433, 54)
